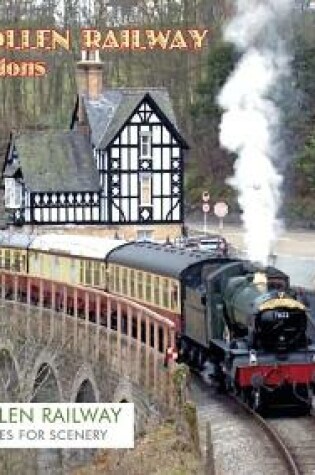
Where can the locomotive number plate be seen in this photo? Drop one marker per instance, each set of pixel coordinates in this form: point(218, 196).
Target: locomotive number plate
point(280, 315)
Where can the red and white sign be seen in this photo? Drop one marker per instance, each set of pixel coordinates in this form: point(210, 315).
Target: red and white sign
point(205, 197)
point(221, 209)
point(205, 208)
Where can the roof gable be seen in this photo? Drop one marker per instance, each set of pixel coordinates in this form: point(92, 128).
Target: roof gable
point(108, 115)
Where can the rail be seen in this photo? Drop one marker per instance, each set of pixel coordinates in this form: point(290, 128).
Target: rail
point(286, 454)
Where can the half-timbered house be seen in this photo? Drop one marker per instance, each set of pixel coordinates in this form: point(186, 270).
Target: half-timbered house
point(121, 164)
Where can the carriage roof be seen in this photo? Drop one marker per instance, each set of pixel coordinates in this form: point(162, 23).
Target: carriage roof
point(156, 258)
point(16, 240)
point(76, 245)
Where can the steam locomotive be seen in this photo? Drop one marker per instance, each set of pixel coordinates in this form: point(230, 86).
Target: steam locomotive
point(249, 324)
point(242, 322)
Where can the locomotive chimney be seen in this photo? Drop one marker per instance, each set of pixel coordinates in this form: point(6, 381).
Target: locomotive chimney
point(260, 280)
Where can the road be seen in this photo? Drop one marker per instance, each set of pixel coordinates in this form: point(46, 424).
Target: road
point(294, 252)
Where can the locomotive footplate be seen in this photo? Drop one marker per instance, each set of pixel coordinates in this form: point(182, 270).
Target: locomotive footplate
point(273, 370)
point(270, 370)
point(274, 374)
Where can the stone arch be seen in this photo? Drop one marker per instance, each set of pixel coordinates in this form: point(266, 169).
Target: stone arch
point(85, 392)
point(9, 375)
point(45, 385)
point(123, 392)
point(84, 387)
point(43, 379)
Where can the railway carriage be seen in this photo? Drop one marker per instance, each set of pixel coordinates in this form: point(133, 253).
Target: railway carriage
point(78, 260)
point(156, 275)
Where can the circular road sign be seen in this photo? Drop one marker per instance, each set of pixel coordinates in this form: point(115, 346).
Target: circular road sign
point(205, 208)
point(205, 196)
point(221, 209)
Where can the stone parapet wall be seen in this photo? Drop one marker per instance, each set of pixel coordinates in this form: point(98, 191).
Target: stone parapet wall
point(159, 232)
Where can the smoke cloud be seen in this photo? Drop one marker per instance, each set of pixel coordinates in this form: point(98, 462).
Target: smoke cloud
point(250, 125)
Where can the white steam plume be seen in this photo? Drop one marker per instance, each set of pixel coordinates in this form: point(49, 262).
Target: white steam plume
point(250, 125)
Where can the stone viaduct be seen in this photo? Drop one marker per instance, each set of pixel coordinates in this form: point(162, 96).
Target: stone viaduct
point(60, 343)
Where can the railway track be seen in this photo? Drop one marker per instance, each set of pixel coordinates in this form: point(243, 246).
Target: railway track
point(243, 442)
point(299, 436)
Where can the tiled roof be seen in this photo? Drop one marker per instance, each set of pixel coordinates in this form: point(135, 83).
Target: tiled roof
point(55, 161)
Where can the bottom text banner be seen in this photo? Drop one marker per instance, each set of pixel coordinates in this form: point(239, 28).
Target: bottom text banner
point(67, 425)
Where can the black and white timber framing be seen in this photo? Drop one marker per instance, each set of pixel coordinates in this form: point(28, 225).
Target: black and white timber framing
point(122, 162)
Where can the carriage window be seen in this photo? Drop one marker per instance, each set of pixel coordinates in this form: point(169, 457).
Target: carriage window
point(110, 277)
point(16, 261)
point(88, 272)
point(81, 272)
point(148, 287)
point(117, 279)
point(1, 259)
point(174, 296)
point(72, 265)
point(23, 263)
point(7, 259)
point(103, 276)
point(140, 285)
point(165, 293)
point(96, 273)
point(156, 290)
point(55, 268)
point(125, 281)
point(132, 283)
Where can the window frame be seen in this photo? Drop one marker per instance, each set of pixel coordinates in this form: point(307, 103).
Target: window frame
point(144, 191)
point(13, 193)
point(143, 136)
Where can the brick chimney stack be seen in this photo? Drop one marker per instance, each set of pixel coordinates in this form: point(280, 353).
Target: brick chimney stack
point(89, 77)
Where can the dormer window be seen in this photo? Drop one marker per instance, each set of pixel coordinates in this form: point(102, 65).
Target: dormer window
point(145, 145)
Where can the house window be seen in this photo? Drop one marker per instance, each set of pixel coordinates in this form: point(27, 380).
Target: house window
point(13, 193)
point(145, 189)
point(145, 145)
point(144, 235)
